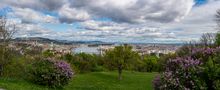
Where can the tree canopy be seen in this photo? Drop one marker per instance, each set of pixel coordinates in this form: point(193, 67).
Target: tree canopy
point(120, 57)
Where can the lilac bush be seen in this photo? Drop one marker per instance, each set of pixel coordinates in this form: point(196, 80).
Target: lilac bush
point(64, 68)
point(203, 53)
point(198, 70)
point(50, 72)
point(180, 73)
point(157, 82)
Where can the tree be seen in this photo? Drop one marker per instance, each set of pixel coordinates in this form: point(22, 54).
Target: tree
point(83, 62)
point(217, 16)
point(7, 30)
point(207, 39)
point(120, 57)
point(151, 63)
point(217, 40)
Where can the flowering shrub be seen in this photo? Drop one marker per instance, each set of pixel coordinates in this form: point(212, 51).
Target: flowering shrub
point(203, 53)
point(51, 73)
point(64, 68)
point(181, 73)
point(199, 70)
point(157, 82)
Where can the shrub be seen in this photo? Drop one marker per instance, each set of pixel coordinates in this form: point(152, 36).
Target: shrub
point(149, 63)
point(162, 61)
point(83, 62)
point(200, 69)
point(157, 82)
point(17, 67)
point(181, 73)
point(48, 53)
point(51, 73)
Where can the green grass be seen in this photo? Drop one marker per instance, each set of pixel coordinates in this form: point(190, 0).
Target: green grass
point(91, 81)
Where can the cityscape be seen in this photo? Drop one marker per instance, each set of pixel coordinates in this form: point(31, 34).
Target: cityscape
point(91, 48)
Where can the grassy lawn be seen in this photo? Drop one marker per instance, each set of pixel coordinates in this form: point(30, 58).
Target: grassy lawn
point(91, 81)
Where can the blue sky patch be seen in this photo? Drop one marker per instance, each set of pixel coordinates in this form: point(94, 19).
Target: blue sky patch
point(51, 13)
point(200, 2)
point(5, 10)
point(61, 27)
point(56, 27)
point(103, 19)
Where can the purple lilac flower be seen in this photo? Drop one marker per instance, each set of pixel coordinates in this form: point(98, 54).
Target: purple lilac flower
point(204, 51)
point(157, 82)
point(64, 68)
point(183, 72)
point(178, 72)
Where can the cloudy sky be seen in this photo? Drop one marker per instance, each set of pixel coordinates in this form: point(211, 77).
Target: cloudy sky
point(136, 21)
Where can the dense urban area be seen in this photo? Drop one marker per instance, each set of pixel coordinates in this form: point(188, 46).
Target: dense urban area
point(89, 48)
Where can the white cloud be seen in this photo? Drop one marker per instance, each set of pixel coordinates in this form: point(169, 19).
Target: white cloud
point(137, 10)
point(200, 20)
point(28, 15)
point(32, 30)
point(51, 5)
point(133, 20)
point(70, 15)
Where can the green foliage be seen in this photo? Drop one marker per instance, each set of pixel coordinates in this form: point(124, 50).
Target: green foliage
point(50, 73)
point(6, 57)
point(217, 84)
point(183, 51)
point(217, 39)
point(150, 63)
point(48, 53)
point(83, 62)
point(163, 60)
point(120, 57)
point(17, 68)
point(211, 72)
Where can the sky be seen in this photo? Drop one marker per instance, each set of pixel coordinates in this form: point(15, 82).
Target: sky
point(134, 21)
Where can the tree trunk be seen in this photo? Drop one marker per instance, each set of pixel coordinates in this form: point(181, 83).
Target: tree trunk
point(1, 70)
point(2, 61)
point(119, 72)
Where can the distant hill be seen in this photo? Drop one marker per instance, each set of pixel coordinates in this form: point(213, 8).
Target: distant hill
point(47, 40)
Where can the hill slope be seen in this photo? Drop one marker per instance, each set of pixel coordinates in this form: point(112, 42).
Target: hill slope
point(92, 81)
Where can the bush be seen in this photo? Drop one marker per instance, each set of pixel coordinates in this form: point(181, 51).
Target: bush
point(149, 63)
point(17, 67)
point(48, 53)
point(83, 62)
point(162, 61)
point(157, 82)
point(199, 69)
point(51, 73)
point(182, 73)
point(98, 69)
